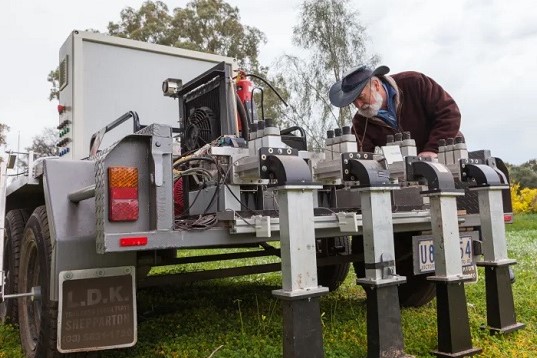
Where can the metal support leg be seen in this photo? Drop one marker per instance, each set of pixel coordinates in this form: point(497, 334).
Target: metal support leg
point(501, 317)
point(454, 338)
point(300, 292)
point(384, 334)
point(302, 328)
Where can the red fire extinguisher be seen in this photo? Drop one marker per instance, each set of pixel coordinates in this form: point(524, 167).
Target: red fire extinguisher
point(244, 91)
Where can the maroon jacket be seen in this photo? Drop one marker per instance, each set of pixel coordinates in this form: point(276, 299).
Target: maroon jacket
point(425, 110)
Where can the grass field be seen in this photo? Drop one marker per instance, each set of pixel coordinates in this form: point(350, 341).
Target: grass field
point(238, 317)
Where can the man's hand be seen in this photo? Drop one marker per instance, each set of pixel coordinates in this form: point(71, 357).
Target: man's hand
point(432, 155)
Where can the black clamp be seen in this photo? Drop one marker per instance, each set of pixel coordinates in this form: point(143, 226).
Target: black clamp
point(285, 166)
point(439, 177)
point(362, 168)
point(483, 175)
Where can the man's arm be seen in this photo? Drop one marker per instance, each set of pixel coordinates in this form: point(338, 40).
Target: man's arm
point(443, 112)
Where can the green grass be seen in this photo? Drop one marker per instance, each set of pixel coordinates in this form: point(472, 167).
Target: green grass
point(523, 222)
point(238, 317)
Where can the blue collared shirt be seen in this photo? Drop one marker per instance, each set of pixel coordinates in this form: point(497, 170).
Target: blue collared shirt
point(389, 116)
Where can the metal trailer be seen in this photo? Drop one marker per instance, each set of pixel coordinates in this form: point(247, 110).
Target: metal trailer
point(83, 229)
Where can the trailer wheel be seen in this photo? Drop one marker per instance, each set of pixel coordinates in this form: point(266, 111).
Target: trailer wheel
point(332, 276)
point(14, 227)
point(417, 291)
point(37, 318)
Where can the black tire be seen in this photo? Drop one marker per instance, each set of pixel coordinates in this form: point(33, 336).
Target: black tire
point(332, 276)
point(37, 318)
point(417, 291)
point(14, 228)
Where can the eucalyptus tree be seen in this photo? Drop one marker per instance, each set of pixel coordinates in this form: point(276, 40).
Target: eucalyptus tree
point(329, 39)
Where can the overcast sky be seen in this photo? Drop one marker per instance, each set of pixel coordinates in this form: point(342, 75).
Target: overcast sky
point(483, 52)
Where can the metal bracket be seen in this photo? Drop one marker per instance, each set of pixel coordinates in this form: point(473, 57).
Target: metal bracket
point(439, 177)
point(483, 175)
point(262, 226)
point(368, 172)
point(34, 294)
point(388, 266)
point(347, 222)
point(284, 165)
point(160, 147)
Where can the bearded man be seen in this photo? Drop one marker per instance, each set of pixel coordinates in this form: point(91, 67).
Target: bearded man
point(407, 101)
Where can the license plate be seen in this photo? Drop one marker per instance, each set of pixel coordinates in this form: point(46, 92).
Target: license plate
point(424, 253)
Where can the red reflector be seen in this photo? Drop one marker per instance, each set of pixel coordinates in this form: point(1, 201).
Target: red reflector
point(123, 210)
point(61, 108)
point(507, 218)
point(133, 241)
point(123, 193)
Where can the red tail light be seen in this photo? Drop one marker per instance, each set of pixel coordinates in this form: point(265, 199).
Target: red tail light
point(123, 193)
point(132, 241)
point(508, 218)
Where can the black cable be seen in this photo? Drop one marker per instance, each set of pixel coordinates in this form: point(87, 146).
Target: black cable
point(270, 86)
point(190, 206)
point(244, 118)
point(16, 175)
point(207, 159)
point(195, 170)
point(239, 200)
point(232, 193)
point(216, 192)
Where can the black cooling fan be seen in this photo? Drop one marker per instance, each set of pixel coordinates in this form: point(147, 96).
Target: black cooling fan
point(201, 128)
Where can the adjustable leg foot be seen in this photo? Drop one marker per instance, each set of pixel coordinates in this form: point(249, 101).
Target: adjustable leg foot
point(501, 317)
point(454, 339)
point(302, 328)
point(384, 333)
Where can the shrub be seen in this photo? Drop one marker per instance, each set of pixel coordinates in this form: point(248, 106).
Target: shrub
point(524, 199)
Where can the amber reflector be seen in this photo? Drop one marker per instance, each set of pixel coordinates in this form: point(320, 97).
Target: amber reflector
point(123, 194)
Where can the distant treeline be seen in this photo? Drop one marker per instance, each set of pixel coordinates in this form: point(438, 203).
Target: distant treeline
point(524, 174)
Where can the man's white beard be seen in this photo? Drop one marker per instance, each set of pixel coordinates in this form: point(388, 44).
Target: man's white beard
point(371, 110)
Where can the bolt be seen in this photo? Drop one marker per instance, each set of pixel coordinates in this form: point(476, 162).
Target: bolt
point(157, 144)
point(68, 276)
point(127, 270)
point(346, 171)
point(346, 161)
point(100, 273)
point(263, 157)
point(289, 151)
point(264, 168)
point(270, 150)
point(351, 155)
point(280, 151)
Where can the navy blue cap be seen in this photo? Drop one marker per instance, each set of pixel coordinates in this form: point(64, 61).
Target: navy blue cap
point(344, 92)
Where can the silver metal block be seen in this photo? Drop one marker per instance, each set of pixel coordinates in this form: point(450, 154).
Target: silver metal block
point(492, 224)
point(378, 234)
point(445, 228)
point(297, 235)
